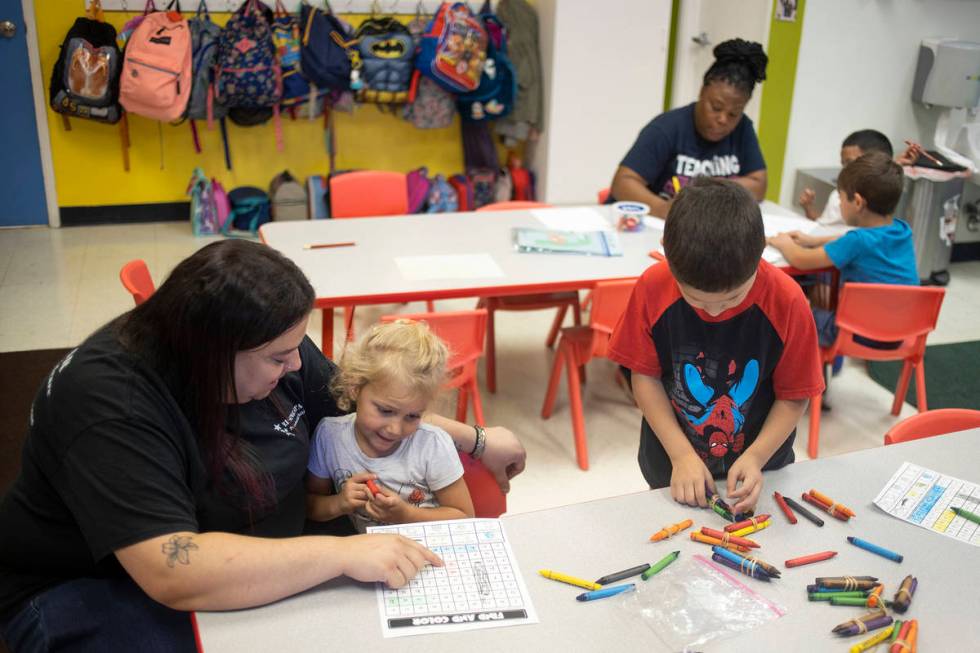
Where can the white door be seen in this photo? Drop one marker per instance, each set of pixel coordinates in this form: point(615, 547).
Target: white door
point(701, 26)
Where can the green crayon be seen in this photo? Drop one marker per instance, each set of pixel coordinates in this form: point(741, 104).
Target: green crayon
point(669, 558)
point(966, 514)
point(827, 596)
point(849, 600)
point(897, 627)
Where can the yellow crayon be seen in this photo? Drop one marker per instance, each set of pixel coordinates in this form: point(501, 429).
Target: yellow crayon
point(752, 529)
point(571, 580)
point(874, 640)
point(677, 184)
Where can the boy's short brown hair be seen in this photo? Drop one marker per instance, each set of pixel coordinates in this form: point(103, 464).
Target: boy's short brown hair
point(876, 178)
point(714, 235)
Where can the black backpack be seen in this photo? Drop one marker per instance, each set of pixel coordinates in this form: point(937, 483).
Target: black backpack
point(85, 79)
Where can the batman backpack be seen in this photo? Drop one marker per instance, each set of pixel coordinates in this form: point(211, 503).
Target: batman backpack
point(385, 50)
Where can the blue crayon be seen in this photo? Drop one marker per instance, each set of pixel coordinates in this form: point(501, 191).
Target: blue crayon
point(874, 548)
point(605, 591)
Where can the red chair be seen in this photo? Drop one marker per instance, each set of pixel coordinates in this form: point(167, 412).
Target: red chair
point(603, 195)
point(933, 422)
point(888, 313)
point(580, 344)
point(488, 500)
point(560, 300)
point(135, 277)
point(368, 193)
point(363, 194)
point(463, 332)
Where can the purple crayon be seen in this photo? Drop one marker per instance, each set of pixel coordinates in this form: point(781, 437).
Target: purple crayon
point(866, 623)
point(748, 568)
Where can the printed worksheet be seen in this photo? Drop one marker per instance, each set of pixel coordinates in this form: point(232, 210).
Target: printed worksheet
point(923, 497)
point(480, 585)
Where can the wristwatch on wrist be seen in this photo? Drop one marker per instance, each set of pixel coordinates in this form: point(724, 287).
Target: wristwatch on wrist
point(481, 442)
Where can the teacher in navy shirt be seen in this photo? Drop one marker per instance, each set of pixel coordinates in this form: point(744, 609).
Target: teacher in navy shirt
point(711, 137)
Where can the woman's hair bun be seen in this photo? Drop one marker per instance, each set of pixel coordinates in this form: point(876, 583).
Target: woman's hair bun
point(740, 51)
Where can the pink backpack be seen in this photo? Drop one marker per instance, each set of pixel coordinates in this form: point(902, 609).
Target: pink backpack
point(156, 75)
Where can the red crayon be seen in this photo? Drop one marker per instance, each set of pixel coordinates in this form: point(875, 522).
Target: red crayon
point(831, 510)
point(375, 490)
point(781, 502)
point(813, 557)
point(830, 504)
point(729, 538)
point(751, 521)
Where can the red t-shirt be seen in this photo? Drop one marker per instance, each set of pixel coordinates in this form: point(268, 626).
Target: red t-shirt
point(723, 373)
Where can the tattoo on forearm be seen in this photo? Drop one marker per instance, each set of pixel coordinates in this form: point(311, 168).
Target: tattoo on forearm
point(178, 550)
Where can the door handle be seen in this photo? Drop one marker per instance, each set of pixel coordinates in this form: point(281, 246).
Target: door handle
point(7, 29)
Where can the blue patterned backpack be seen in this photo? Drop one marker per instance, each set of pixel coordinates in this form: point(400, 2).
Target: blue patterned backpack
point(246, 73)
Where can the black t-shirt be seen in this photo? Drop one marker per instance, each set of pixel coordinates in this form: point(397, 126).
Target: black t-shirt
point(670, 146)
point(110, 460)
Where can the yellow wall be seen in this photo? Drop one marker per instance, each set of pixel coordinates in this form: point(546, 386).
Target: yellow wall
point(88, 161)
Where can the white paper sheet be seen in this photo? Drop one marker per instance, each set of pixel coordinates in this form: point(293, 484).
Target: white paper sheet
point(480, 585)
point(448, 266)
point(572, 219)
point(776, 224)
point(923, 497)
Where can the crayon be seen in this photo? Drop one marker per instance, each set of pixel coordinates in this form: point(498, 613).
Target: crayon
point(865, 623)
point(752, 529)
point(781, 502)
point(375, 490)
point(825, 579)
point(697, 536)
point(620, 575)
point(828, 595)
point(832, 590)
point(803, 511)
point(727, 538)
point(810, 559)
point(747, 560)
point(902, 643)
point(897, 627)
point(848, 584)
point(903, 597)
point(966, 514)
point(669, 531)
point(605, 591)
point(571, 580)
point(660, 564)
point(870, 601)
point(676, 183)
point(751, 521)
point(871, 642)
point(747, 569)
point(830, 503)
point(874, 548)
point(718, 504)
point(819, 504)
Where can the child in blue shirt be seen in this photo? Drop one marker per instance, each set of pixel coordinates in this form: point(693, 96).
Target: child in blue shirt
point(878, 251)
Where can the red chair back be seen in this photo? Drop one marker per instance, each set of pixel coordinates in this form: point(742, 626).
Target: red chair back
point(488, 500)
point(135, 277)
point(609, 300)
point(463, 332)
point(933, 422)
point(889, 313)
point(603, 195)
point(514, 205)
point(368, 193)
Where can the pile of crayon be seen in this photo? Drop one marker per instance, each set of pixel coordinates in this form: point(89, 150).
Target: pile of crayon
point(726, 540)
point(900, 643)
point(750, 525)
point(870, 598)
point(717, 504)
point(865, 623)
point(747, 565)
point(903, 597)
point(828, 505)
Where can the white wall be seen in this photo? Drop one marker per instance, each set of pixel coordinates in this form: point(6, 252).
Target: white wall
point(855, 69)
point(604, 73)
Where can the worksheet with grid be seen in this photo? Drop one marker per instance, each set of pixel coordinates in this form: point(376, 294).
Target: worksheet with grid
point(480, 585)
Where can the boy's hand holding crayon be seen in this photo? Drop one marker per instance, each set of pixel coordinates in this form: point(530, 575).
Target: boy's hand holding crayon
point(690, 481)
point(745, 482)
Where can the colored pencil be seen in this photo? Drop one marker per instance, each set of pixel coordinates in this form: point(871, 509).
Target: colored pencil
point(823, 498)
point(874, 548)
point(669, 531)
point(328, 245)
point(810, 559)
point(803, 511)
point(729, 538)
point(748, 570)
point(829, 509)
point(781, 502)
point(966, 514)
point(660, 564)
point(697, 536)
point(751, 521)
point(903, 597)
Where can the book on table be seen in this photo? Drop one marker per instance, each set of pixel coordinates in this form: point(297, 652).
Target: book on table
point(552, 241)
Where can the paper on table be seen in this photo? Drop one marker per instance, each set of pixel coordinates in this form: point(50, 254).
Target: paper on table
point(572, 219)
point(923, 497)
point(776, 224)
point(448, 266)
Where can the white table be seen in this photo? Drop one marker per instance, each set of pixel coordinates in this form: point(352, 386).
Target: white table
point(600, 537)
point(367, 273)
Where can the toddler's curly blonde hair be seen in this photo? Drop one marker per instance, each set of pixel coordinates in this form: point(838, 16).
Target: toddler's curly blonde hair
point(404, 352)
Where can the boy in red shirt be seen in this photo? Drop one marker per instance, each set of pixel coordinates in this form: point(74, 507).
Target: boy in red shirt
point(722, 351)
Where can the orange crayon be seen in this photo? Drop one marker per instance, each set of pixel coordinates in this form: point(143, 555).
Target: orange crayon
point(668, 531)
point(729, 538)
point(705, 539)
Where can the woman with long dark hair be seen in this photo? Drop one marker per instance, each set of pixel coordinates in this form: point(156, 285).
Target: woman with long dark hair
point(710, 137)
point(163, 470)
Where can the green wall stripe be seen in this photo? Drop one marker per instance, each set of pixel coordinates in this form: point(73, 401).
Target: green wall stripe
point(675, 10)
point(777, 95)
